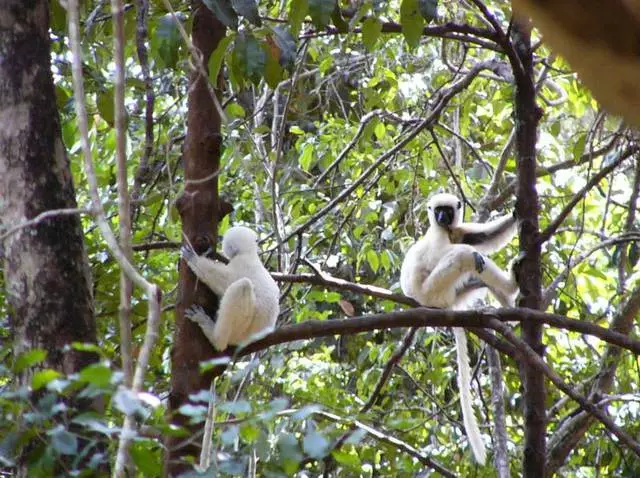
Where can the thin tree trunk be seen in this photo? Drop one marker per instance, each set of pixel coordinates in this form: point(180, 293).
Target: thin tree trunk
point(45, 264)
point(527, 115)
point(201, 210)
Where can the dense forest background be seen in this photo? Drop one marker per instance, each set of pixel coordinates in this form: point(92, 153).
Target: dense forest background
point(324, 126)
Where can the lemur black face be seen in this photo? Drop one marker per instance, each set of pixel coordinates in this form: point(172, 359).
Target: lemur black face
point(444, 215)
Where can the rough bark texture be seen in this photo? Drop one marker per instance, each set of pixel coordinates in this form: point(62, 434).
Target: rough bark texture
point(527, 115)
point(45, 265)
point(46, 270)
point(201, 211)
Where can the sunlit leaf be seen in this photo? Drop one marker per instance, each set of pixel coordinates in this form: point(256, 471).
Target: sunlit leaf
point(371, 30)
point(29, 359)
point(411, 21)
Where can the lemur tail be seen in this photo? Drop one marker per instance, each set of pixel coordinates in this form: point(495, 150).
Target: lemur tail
point(464, 385)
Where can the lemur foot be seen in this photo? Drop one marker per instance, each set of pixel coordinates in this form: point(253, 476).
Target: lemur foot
point(196, 314)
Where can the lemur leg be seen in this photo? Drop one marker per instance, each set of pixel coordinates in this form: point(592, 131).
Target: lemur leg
point(196, 314)
point(236, 313)
point(439, 289)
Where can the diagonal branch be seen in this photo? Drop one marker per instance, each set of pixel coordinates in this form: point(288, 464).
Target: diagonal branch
point(442, 99)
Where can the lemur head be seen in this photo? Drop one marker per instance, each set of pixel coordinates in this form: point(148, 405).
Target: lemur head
point(445, 210)
point(239, 240)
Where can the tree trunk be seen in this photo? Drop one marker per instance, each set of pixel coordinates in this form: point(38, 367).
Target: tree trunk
point(45, 265)
point(46, 268)
point(527, 115)
point(201, 210)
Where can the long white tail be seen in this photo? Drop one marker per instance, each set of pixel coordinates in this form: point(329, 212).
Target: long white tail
point(464, 384)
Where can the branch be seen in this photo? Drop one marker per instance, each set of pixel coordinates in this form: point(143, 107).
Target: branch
point(363, 123)
point(539, 364)
point(407, 341)
point(124, 206)
point(390, 440)
point(41, 217)
point(551, 228)
point(152, 290)
point(441, 101)
point(426, 317)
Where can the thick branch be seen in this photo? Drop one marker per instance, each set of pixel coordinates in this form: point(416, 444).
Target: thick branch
point(425, 317)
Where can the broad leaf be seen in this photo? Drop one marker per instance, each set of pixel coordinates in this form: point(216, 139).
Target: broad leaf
point(321, 11)
point(411, 21)
point(248, 9)
point(297, 11)
point(371, 30)
point(428, 9)
point(223, 11)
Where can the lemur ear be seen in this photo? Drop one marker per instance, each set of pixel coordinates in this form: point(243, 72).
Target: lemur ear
point(459, 204)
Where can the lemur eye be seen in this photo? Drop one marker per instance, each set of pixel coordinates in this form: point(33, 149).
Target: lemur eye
point(459, 204)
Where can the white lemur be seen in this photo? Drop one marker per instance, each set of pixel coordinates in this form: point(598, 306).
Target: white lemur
point(248, 294)
point(443, 268)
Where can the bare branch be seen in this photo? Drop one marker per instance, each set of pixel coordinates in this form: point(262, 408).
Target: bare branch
point(551, 228)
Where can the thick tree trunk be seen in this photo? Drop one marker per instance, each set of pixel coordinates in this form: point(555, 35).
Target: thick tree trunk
point(527, 115)
point(46, 268)
point(45, 265)
point(201, 210)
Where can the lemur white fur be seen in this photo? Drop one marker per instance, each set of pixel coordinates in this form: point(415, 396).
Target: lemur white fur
point(447, 268)
point(249, 295)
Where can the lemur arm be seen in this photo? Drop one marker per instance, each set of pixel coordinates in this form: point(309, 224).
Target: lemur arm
point(214, 274)
point(486, 237)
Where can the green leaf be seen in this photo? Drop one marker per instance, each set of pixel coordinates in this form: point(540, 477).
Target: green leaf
point(64, 442)
point(248, 9)
point(223, 11)
point(43, 377)
point(338, 21)
point(297, 12)
point(315, 445)
point(320, 11)
point(373, 260)
point(167, 38)
point(371, 30)
point(234, 110)
point(428, 9)
point(147, 459)
point(380, 130)
point(86, 347)
point(217, 57)
point(411, 21)
point(306, 157)
point(106, 107)
point(29, 359)
point(96, 374)
point(285, 41)
point(249, 58)
point(273, 72)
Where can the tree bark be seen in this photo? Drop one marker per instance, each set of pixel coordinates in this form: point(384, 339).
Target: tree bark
point(46, 269)
point(527, 115)
point(201, 211)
